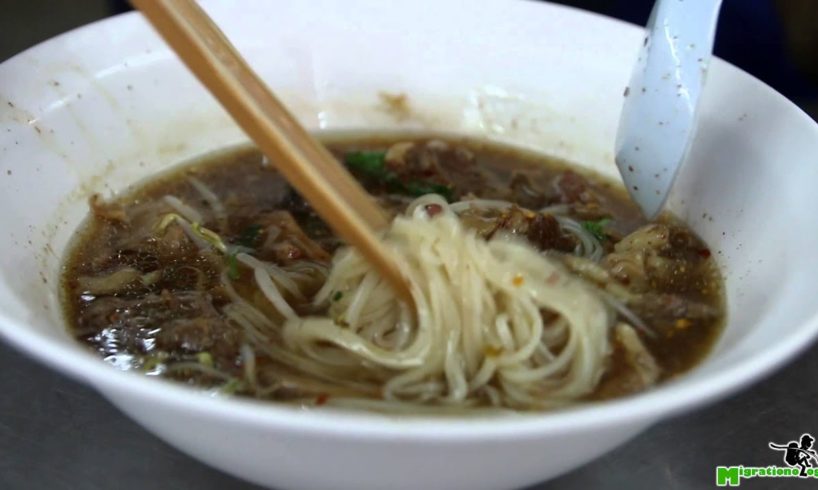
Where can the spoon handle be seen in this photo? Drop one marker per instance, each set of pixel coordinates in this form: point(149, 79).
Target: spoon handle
point(659, 116)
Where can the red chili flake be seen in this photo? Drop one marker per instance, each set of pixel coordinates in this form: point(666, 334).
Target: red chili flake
point(321, 399)
point(433, 209)
point(294, 253)
point(704, 253)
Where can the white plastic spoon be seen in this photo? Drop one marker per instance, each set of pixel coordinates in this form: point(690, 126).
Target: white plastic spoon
point(659, 115)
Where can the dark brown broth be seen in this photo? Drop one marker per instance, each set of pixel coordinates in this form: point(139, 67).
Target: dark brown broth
point(175, 311)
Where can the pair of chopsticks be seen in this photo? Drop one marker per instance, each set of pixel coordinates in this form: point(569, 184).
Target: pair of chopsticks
point(334, 194)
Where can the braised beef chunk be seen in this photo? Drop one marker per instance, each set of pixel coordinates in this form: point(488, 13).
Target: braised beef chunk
point(637, 259)
point(183, 321)
point(311, 224)
point(663, 257)
point(544, 233)
point(113, 326)
point(524, 191)
point(574, 188)
point(284, 241)
point(586, 201)
point(664, 311)
point(541, 230)
point(514, 221)
point(634, 368)
point(198, 334)
point(434, 161)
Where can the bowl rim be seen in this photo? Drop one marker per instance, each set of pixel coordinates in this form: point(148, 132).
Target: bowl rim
point(665, 400)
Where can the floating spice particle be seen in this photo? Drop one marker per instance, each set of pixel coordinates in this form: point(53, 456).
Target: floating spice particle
point(518, 280)
point(492, 351)
point(682, 323)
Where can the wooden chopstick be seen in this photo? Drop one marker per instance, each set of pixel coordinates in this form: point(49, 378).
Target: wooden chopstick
point(334, 194)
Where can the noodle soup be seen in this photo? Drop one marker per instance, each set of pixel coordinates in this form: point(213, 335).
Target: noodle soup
point(536, 285)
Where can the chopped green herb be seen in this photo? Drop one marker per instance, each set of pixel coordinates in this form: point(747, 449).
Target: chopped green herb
point(232, 267)
point(597, 228)
point(249, 236)
point(369, 163)
point(337, 296)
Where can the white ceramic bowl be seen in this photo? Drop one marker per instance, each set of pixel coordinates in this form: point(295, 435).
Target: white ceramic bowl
point(106, 105)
